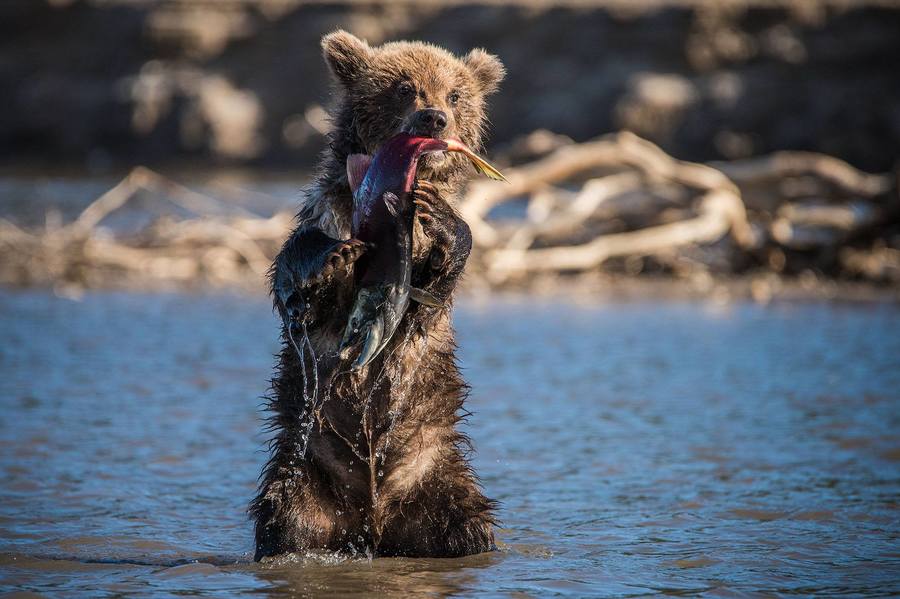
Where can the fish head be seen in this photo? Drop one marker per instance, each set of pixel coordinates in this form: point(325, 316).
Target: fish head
point(374, 318)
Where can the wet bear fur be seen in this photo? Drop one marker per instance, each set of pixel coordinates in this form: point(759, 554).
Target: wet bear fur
point(371, 462)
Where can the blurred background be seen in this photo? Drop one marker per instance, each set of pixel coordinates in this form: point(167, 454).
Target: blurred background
point(679, 320)
point(97, 84)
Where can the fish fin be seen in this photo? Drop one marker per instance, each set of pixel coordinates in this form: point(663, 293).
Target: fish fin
point(423, 297)
point(357, 165)
point(392, 202)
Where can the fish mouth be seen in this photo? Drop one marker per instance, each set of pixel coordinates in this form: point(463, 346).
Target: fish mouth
point(373, 340)
point(429, 160)
point(414, 132)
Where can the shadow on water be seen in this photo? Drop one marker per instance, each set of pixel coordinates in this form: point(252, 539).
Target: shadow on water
point(292, 575)
point(637, 448)
point(399, 577)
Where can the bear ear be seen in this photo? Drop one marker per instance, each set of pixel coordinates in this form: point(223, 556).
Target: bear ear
point(347, 55)
point(487, 69)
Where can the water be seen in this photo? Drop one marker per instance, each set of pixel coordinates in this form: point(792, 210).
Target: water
point(638, 449)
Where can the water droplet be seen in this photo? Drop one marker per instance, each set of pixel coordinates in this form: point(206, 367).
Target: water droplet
point(338, 512)
point(343, 531)
point(380, 473)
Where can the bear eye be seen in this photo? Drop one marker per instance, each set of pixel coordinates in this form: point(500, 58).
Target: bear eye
point(453, 98)
point(405, 90)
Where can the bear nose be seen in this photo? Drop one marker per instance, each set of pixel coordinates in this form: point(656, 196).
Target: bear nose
point(430, 121)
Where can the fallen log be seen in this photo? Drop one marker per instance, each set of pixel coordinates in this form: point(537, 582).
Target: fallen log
point(716, 214)
point(810, 225)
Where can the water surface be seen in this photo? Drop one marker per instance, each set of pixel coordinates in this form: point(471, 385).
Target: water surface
point(637, 448)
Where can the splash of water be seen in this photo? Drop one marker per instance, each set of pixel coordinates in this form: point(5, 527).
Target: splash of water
point(311, 398)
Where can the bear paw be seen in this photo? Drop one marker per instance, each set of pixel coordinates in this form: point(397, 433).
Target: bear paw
point(438, 219)
point(341, 256)
point(307, 261)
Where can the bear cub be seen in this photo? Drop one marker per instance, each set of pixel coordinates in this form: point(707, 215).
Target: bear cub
point(371, 461)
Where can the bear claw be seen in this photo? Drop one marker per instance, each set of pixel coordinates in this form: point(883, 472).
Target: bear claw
point(343, 255)
point(426, 197)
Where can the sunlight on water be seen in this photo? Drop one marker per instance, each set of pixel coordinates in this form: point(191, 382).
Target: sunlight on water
point(644, 448)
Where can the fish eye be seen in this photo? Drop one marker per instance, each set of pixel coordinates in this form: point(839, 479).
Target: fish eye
point(453, 98)
point(405, 90)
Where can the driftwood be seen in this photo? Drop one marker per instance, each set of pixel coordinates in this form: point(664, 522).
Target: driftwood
point(720, 209)
point(716, 211)
point(576, 208)
point(219, 245)
point(712, 209)
point(781, 165)
point(815, 224)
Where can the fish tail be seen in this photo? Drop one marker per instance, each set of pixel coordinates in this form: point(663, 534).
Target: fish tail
point(483, 166)
point(486, 168)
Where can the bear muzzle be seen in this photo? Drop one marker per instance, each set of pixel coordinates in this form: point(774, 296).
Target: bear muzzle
point(428, 122)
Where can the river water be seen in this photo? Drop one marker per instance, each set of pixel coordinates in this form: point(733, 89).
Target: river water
point(638, 448)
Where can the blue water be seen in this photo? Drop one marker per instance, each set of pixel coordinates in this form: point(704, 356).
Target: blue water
point(637, 448)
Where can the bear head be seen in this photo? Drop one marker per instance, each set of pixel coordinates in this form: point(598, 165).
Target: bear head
point(411, 87)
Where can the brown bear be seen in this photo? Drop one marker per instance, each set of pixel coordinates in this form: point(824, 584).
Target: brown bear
point(370, 461)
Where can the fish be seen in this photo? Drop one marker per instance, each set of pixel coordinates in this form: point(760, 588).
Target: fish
point(383, 216)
